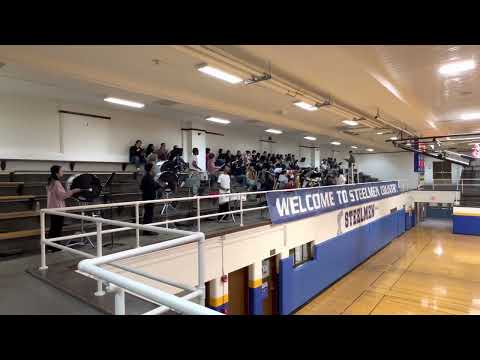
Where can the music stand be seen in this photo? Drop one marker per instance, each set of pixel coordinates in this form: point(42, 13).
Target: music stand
point(106, 200)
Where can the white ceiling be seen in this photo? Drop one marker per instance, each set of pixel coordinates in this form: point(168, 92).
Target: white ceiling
point(402, 81)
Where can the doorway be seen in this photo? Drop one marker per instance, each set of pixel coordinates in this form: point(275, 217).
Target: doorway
point(269, 285)
point(238, 292)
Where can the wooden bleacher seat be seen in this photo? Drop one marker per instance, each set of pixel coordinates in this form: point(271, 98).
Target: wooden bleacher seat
point(16, 198)
point(19, 234)
point(18, 215)
point(11, 183)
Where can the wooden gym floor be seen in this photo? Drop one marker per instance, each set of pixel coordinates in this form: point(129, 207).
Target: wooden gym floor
point(426, 271)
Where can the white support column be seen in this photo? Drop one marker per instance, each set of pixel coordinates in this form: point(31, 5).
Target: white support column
point(120, 302)
point(99, 291)
point(137, 221)
point(43, 265)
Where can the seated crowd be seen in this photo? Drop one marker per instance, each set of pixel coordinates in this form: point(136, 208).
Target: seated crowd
point(252, 170)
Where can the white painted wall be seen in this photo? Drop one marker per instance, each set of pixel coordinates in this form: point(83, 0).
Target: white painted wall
point(392, 166)
point(30, 128)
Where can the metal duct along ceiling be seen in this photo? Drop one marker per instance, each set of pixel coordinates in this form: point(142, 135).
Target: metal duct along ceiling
point(217, 57)
point(440, 147)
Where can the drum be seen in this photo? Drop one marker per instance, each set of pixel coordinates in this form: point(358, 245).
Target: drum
point(168, 179)
point(85, 181)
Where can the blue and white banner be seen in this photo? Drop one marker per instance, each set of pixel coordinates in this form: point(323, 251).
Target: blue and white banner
point(286, 206)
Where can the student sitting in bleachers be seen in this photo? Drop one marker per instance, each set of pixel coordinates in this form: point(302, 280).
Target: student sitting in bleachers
point(137, 154)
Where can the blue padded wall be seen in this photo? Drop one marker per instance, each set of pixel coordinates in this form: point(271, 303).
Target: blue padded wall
point(255, 301)
point(333, 259)
point(467, 225)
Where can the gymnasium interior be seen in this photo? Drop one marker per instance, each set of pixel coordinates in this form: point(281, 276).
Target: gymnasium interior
point(239, 180)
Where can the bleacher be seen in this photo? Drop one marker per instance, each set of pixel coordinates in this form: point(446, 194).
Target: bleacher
point(23, 194)
point(470, 191)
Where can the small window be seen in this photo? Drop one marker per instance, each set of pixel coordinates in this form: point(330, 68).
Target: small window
point(302, 254)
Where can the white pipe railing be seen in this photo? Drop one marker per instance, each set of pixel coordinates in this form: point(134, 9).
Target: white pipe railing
point(169, 301)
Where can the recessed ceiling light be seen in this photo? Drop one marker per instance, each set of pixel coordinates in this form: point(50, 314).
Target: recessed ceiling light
point(379, 133)
point(370, 150)
point(470, 116)
point(354, 147)
point(336, 143)
point(305, 106)
point(311, 138)
point(274, 131)
point(218, 120)
point(394, 138)
point(455, 68)
point(219, 74)
point(350, 122)
point(124, 102)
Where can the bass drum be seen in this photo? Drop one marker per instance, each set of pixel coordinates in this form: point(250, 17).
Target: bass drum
point(168, 166)
point(85, 181)
point(168, 179)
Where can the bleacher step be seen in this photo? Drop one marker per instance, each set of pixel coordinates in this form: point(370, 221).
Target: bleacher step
point(16, 198)
point(19, 234)
point(18, 215)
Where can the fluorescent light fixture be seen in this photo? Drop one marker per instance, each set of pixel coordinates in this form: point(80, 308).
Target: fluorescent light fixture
point(124, 102)
point(470, 116)
point(394, 138)
point(311, 138)
point(336, 143)
point(354, 147)
point(379, 133)
point(455, 68)
point(274, 131)
point(305, 106)
point(370, 150)
point(350, 122)
point(464, 139)
point(218, 120)
point(219, 74)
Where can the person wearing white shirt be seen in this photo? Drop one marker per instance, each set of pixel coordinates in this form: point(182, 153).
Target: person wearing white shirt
point(341, 180)
point(224, 188)
point(194, 180)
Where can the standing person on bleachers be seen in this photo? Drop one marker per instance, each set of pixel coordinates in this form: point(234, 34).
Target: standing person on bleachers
point(194, 180)
point(56, 196)
point(224, 188)
point(252, 179)
point(207, 153)
point(149, 189)
point(137, 154)
point(162, 152)
point(212, 169)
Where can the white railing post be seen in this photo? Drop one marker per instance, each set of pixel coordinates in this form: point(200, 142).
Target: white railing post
point(198, 214)
point(99, 291)
point(43, 265)
point(201, 268)
point(241, 210)
point(137, 221)
point(119, 302)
